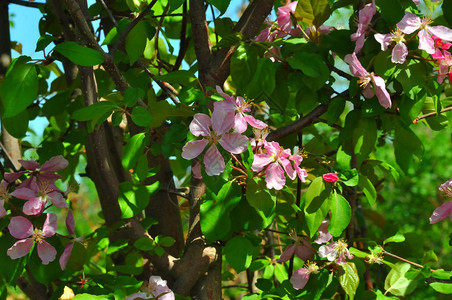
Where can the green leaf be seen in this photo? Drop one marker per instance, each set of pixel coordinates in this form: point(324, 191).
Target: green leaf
point(364, 138)
point(43, 42)
point(310, 64)
point(391, 11)
point(162, 110)
point(131, 96)
point(315, 217)
point(396, 283)
point(111, 37)
point(406, 145)
point(341, 213)
point(350, 177)
point(133, 150)
point(313, 11)
point(397, 238)
point(91, 296)
point(182, 77)
point(348, 278)
point(263, 80)
point(95, 111)
point(215, 219)
point(221, 5)
point(144, 244)
point(441, 287)
point(79, 55)
point(243, 66)
point(316, 194)
point(165, 241)
point(260, 197)
point(368, 189)
point(133, 199)
point(447, 11)
point(17, 126)
point(239, 253)
point(19, 89)
point(357, 253)
point(136, 41)
point(141, 116)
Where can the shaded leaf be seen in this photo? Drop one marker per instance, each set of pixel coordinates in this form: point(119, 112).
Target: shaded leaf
point(79, 55)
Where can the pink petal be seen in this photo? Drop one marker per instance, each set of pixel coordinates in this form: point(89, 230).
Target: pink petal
point(287, 253)
point(442, 32)
point(57, 199)
point(228, 98)
point(222, 121)
point(20, 248)
point(368, 92)
point(299, 278)
point(330, 177)
point(438, 54)
point(262, 37)
point(11, 177)
point(50, 225)
point(48, 177)
point(302, 174)
point(399, 53)
point(367, 12)
point(384, 39)
point(24, 193)
point(46, 252)
point(274, 176)
point(70, 223)
point(255, 122)
point(224, 106)
point(20, 227)
point(359, 44)
point(213, 161)
point(34, 207)
point(234, 142)
point(196, 170)
point(355, 66)
point(441, 212)
point(240, 123)
point(65, 256)
point(200, 125)
point(324, 235)
point(194, 148)
point(288, 168)
point(139, 296)
point(56, 163)
point(328, 251)
point(260, 161)
point(30, 165)
point(304, 251)
point(426, 42)
point(409, 23)
point(381, 92)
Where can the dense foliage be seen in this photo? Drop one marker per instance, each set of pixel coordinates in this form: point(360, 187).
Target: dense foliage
point(300, 152)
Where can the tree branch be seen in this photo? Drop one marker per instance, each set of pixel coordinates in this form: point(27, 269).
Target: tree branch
point(26, 3)
point(298, 125)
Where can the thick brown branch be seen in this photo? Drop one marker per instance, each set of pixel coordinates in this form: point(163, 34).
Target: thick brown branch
point(26, 3)
point(298, 125)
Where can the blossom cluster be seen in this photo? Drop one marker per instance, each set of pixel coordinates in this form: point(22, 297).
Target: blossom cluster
point(230, 119)
point(334, 252)
point(444, 210)
point(40, 192)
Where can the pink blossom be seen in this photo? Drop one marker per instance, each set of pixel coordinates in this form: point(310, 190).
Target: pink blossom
point(70, 225)
point(239, 107)
point(157, 288)
point(446, 187)
point(330, 177)
point(442, 212)
point(365, 78)
point(439, 45)
point(276, 161)
point(324, 235)
point(38, 194)
point(445, 64)
point(232, 142)
point(46, 172)
point(285, 20)
point(301, 248)
point(335, 250)
point(400, 51)
point(21, 228)
point(365, 16)
point(410, 23)
point(300, 277)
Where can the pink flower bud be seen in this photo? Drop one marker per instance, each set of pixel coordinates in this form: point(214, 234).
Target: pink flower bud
point(330, 177)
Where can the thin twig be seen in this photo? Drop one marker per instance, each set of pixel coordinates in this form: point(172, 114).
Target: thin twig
point(27, 3)
point(108, 12)
point(183, 39)
point(404, 260)
point(431, 114)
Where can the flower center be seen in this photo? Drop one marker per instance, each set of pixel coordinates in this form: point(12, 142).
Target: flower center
point(213, 137)
point(341, 246)
point(425, 22)
point(398, 36)
point(312, 267)
point(365, 80)
point(38, 236)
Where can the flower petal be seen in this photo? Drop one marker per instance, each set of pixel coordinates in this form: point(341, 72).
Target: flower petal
point(426, 42)
point(324, 235)
point(255, 122)
point(213, 161)
point(30, 165)
point(287, 253)
point(20, 227)
point(46, 252)
point(34, 206)
point(2, 208)
point(384, 39)
point(20, 248)
point(442, 32)
point(240, 123)
point(441, 212)
point(409, 23)
point(234, 142)
point(274, 176)
point(70, 223)
point(288, 168)
point(194, 148)
point(24, 193)
point(304, 251)
point(355, 65)
point(260, 161)
point(328, 251)
point(381, 92)
point(299, 278)
point(57, 199)
point(399, 53)
point(65, 256)
point(200, 125)
point(50, 225)
point(56, 163)
point(222, 121)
